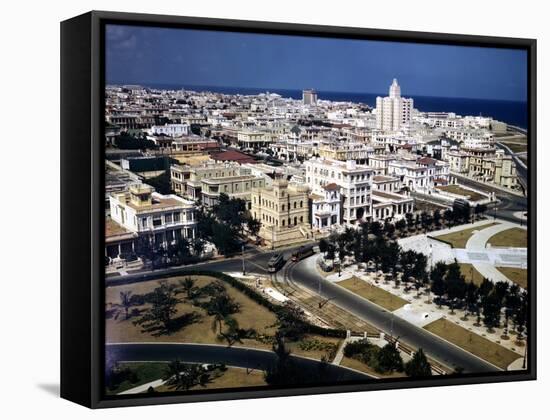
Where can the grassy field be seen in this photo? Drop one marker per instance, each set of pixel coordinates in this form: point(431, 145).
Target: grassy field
point(468, 270)
point(458, 239)
point(373, 293)
point(315, 347)
point(251, 315)
point(456, 189)
point(231, 378)
point(362, 367)
point(145, 373)
point(473, 343)
point(517, 275)
point(513, 238)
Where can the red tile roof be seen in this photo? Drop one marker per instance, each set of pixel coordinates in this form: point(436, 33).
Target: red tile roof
point(331, 186)
point(232, 155)
point(427, 161)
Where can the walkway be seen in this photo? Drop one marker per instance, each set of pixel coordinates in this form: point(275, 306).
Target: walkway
point(485, 259)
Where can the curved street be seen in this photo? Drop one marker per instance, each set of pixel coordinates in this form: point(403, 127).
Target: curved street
point(305, 274)
point(243, 357)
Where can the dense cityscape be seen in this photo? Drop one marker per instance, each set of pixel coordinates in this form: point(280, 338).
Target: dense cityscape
point(352, 241)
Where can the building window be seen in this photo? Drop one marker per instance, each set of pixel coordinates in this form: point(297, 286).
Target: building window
point(168, 218)
point(157, 222)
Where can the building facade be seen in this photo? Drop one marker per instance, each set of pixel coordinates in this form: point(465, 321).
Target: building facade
point(163, 219)
point(354, 182)
point(393, 111)
point(283, 211)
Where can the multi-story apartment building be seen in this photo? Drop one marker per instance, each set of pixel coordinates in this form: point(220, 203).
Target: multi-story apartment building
point(172, 130)
point(393, 111)
point(283, 211)
point(252, 139)
point(421, 174)
point(309, 97)
point(239, 186)
point(162, 218)
point(187, 180)
point(358, 152)
point(387, 200)
point(353, 180)
point(326, 207)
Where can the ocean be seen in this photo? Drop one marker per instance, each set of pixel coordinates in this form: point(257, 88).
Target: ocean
point(511, 112)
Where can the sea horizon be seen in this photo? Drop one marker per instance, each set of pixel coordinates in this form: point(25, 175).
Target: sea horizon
point(512, 112)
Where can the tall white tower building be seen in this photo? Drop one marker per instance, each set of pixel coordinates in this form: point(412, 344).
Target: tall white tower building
point(393, 111)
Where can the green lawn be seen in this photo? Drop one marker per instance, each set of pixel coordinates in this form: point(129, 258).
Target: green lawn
point(144, 373)
point(473, 343)
point(517, 275)
point(459, 238)
point(512, 238)
point(375, 294)
point(457, 189)
point(470, 273)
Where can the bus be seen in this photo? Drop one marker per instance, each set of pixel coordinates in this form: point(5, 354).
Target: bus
point(303, 252)
point(275, 263)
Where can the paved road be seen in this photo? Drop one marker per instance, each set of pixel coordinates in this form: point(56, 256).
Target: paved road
point(305, 274)
point(231, 356)
point(508, 203)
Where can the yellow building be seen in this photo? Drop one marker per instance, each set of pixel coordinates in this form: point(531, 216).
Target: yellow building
point(283, 211)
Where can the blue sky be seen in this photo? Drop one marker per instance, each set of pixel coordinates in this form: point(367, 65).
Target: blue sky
point(192, 57)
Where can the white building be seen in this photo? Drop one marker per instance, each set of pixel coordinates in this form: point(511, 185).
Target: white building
point(309, 97)
point(393, 111)
point(326, 207)
point(354, 182)
point(162, 218)
point(421, 174)
point(172, 130)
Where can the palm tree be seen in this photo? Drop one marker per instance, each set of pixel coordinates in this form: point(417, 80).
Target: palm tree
point(188, 284)
point(126, 301)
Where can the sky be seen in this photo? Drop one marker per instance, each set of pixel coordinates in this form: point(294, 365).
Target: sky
point(148, 55)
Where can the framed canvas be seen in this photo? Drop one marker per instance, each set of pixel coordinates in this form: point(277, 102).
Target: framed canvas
point(254, 209)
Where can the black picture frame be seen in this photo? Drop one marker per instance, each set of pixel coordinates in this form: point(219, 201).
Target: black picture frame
point(82, 205)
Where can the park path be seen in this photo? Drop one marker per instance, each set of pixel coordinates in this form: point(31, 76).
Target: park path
point(478, 242)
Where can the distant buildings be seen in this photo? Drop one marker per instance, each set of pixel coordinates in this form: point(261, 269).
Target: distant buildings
point(309, 97)
point(393, 111)
point(172, 130)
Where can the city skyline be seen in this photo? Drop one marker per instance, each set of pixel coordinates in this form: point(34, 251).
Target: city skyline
point(155, 56)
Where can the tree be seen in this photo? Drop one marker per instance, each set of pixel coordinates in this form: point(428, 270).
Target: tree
point(410, 220)
point(491, 311)
point(456, 285)
point(188, 285)
point(198, 246)
point(284, 371)
point(389, 256)
point(126, 301)
point(389, 359)
point(401, 225)
point(161, 183)
point(418, 366)
point(225, 239)
point(221, 306)
point(253, 226)
point(389, 228)
point(183, 376)
point(323, 245)
point(437, 217)
point(437, 279)
point(158, 318)
point(376, 228)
